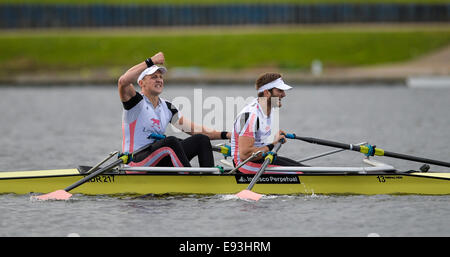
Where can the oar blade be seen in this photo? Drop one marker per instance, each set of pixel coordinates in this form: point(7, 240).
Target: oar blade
point(249, 195)
point(56, 195)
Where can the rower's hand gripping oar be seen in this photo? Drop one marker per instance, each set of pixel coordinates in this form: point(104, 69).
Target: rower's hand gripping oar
point(368, 150)
point(65, 195)
point(247, 194)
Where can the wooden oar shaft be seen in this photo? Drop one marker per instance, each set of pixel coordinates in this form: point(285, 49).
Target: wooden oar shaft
point(364, 149)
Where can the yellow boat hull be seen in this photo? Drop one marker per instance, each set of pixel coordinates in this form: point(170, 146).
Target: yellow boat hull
point(140, 184)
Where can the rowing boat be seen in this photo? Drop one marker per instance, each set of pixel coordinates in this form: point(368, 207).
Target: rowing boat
point(119, 178)
point(376, 179)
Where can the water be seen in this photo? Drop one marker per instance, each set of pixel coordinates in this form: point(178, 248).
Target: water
point(63, 127)
point(227, 216)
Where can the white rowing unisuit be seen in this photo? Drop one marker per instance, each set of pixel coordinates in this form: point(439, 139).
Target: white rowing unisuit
point(140, 118)
point(251, 122)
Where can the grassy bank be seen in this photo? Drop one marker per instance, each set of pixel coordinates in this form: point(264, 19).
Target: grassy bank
point(62, 51)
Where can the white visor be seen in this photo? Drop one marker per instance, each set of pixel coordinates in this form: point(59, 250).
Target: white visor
point(278, 83)
point(150, 70)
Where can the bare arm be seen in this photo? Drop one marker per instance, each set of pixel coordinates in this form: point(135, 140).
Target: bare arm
point(125, 83)
point(192, 128)
point(247, 146)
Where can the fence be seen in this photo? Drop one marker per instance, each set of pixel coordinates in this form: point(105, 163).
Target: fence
point(41, 16)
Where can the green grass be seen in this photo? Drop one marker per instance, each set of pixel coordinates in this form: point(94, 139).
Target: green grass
point(285, 49)
point(158, 2)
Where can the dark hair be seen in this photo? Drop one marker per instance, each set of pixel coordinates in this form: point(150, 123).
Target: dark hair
point(266, 78)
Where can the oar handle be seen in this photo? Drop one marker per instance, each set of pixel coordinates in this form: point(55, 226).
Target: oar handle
point(223, 149)
point(156, 136)
point(267, 160)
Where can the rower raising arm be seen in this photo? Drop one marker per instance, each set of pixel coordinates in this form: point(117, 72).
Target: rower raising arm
point(146, 113)
point(125, 83)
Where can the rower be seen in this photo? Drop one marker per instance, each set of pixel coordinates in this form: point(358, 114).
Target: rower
point(253, 126)
point(145, 113)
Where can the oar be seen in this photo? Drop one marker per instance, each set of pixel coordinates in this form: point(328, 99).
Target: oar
point(247, 194)
point(65, 195)
point(368, 150)
point(223, 149)
point(325, 154)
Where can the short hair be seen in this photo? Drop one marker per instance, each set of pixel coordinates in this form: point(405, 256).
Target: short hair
point(264, 79)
